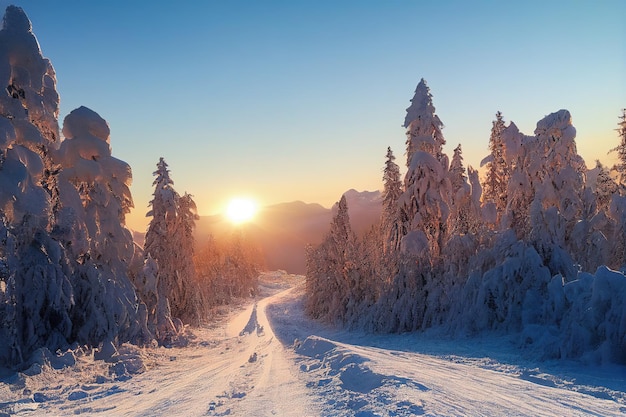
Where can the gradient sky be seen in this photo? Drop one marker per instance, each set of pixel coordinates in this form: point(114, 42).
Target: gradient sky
point(298, 100)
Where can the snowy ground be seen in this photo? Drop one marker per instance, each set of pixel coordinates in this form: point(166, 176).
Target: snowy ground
point(268, 359)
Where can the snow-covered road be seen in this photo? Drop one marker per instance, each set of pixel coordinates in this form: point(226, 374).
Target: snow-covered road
point(270, 360)
point(241, 370)
point(355, 374)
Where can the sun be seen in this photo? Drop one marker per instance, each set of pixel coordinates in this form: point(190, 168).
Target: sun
point(241, 210)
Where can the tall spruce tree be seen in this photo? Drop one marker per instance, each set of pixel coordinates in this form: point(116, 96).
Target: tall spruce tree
point(331, 269)
point(497, 175)
point(390, 219)
point(184, 247)
point(618, 203)
point(423, 125)
point(425, 201)
point(460, 195)
point(169, 241)
point(95, 231)
point(620, 166)
point(605, 187)
point(157, 243)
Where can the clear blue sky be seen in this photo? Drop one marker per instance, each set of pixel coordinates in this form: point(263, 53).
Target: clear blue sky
point(298, 100)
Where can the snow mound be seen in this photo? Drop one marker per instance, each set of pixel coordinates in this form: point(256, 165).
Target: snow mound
point(42, 358)
point(337, 361)
point(350, 386)
point(360, 379)
point(315, 347)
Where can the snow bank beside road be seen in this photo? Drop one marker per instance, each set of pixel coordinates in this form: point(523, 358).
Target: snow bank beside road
point(356, 373)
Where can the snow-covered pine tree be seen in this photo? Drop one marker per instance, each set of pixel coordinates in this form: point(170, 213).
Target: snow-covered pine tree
point(457, 170)
point(519, 157)
point(158, 243)
point(588, 239)
point(163, 213)
point(475, 216)
point(332, 269)
point(315, 304)
point(497, 175)
point(170, 242)
point(184, 245)
point(467, 232)
point(27, 104)
point(391, 223)
point(71, 251)
point(376, 268)
point(605, 187)
point(558, 177)
point(340, 255)
point(401, 306)
point(458, 222)
point(617, 213)
point(97, 207)
point(37, 295)
point(423, 125)
point(620, 166)
point(425, 201)
point(424, 209)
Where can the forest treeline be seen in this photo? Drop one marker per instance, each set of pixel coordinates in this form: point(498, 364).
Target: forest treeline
point(534, 249)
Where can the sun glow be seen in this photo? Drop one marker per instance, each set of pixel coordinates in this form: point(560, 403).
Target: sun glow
point(241, 210)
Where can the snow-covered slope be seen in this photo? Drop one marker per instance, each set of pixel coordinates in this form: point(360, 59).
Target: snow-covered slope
point(268, 359)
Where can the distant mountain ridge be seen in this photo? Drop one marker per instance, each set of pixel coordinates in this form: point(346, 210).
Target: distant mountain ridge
point(283, 230)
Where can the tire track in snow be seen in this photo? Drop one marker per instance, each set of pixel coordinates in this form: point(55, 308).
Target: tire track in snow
point(269, 383)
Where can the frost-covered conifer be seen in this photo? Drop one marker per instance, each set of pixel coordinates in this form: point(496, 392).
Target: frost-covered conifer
point(497, 175)
point(558, 177)
point(96, 208)
point(316, 304)
point(169, 241)
point(64, 202)
point(475, 216)
point(159, 237)
point(103, 185)
point(42, 309)
point(605, 187)
point(424, 210)
point(29, 102)
point(460, 195)
point(184, 246)
point(332, 269)
point(391, 222)
point(457, 170)
point(520, 192)
point(340, 253)
point(617, 212)
point(588, 240)
point(425, 201)
point(423, 125)
point(401, 305)
point(620, 167)
point(163, 213)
